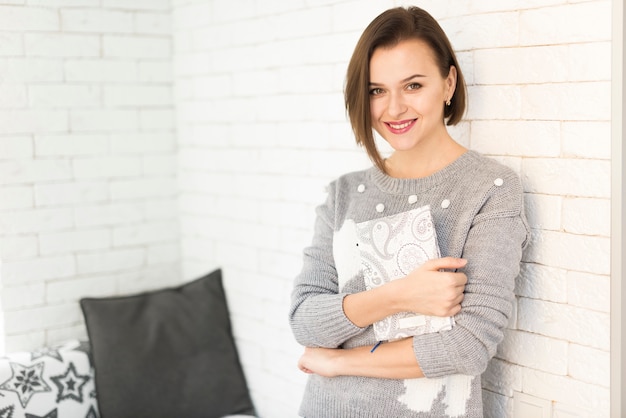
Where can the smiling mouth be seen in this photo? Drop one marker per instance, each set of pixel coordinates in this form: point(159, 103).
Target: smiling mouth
point(401, 126)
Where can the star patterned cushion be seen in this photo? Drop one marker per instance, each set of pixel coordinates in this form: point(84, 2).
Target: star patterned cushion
point(51, 382)
point(166, 353)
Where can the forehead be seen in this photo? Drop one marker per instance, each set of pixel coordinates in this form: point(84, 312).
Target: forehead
point(408, 57)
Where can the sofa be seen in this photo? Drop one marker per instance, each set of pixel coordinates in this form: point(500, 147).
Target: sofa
point(166, 353)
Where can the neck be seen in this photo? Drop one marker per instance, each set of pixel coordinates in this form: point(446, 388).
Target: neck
point(425, 161)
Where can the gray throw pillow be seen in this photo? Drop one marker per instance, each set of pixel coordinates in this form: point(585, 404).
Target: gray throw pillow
point(166, 353)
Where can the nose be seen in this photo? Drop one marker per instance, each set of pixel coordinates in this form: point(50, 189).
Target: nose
point(396, 105)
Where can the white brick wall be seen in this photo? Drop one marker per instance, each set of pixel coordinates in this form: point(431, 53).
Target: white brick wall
point(87, 160)
point(103, 184)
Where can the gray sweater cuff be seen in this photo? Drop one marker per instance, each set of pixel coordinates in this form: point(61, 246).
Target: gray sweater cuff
point(432, 355)
point(324, 324)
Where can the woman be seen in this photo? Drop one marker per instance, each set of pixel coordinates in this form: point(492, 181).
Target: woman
point(404, 82)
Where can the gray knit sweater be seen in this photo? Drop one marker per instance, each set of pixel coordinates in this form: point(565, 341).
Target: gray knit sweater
point(477, 209)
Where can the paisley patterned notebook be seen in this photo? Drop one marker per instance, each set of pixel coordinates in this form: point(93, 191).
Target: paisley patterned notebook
point(390, 248)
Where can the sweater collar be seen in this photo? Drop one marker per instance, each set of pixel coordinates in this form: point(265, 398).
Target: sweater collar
point(394, 185)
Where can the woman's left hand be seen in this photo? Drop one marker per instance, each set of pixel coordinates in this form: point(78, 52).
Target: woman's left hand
point(320, 361)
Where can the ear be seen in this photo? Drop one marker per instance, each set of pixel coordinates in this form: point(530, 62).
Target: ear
point(451, 83)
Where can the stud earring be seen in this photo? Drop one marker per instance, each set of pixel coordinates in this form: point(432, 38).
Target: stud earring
point(448, 103)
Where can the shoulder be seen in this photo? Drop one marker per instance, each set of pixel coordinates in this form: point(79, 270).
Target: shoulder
point(355, 181)
point(488, 166)
point(487, 172)
point(495, 188)
point(341, 190)
point(352, 196)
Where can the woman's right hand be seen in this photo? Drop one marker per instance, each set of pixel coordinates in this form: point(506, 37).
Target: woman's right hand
point(428, 290)
point(433, 288)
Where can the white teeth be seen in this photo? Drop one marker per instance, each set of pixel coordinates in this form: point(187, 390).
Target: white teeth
point(402, 126)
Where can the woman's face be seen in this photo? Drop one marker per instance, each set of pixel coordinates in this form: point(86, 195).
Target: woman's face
point(408, 95)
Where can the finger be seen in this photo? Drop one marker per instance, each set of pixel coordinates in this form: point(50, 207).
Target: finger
point(456, 280)
point(461, 279)
point(454, 300)
point(449, 263)
point(455, 310)
point(303, 368)
point(459, 299)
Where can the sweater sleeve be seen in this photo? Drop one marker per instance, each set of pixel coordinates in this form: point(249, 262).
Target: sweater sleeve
point(316, 315)
point(493, 248)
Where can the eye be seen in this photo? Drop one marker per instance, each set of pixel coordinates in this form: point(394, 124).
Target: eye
point(413, 86)
point(376, 91)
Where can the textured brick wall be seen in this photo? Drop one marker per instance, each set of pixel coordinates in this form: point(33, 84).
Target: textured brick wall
point(87, 160)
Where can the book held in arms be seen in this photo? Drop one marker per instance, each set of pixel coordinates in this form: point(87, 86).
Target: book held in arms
point(390, 248)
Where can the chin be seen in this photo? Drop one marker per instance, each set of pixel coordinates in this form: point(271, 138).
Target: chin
point(403, 145)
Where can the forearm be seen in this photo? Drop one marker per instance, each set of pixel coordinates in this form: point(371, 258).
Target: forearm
point(427, 290)
point(365, 308)
point(394, 360)
point(492, 268)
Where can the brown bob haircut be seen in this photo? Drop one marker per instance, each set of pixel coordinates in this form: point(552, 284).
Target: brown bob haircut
point(387, 30)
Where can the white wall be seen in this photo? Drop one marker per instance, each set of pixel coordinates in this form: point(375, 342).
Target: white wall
point(88, 145)
point(87, 159)
point(261, 131)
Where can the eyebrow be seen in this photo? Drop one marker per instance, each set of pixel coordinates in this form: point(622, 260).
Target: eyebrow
point(409, 78)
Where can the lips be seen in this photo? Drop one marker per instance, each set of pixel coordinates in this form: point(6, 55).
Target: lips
point(400, 127)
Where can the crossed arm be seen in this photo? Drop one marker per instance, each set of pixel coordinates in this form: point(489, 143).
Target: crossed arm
point(427, 290)
point(394, 360)
point(323, 318)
